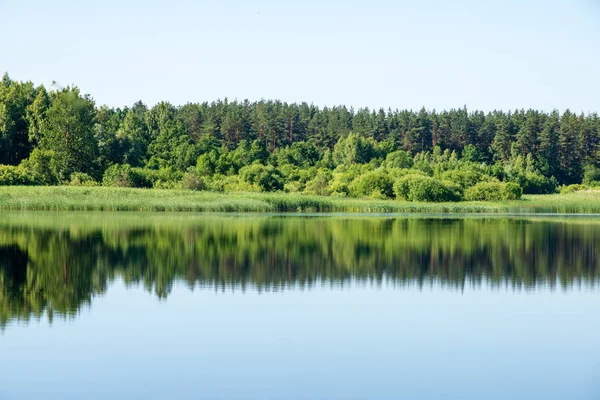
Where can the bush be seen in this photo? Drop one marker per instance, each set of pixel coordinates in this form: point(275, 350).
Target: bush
point(293, 187)
point(266, 177)
point(117, 175)
point(166, 185)
point(513, 191)
point(373, 181)
point(572, 188)
point(232, 183)
point(82, 179)
point(319, 185)
point(493, 191)
point(456, 189)
point(377, 195)
point(534, 183)
point(465, 177)
point(122, 175)
point(11, 175)
point(423, 188)
point(44, 166)
point(342, 176)
point(192, 181)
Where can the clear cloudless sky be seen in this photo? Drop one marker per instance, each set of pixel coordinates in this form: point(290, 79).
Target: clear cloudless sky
point(439, 54)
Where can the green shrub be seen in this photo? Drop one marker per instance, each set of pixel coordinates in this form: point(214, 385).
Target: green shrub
point(142, 177)
point(293, 187)
point(290, 172)
point(44, 166)
point(456, 190)
point(159, 184)
point(319, 185)
point(512, 191)
point(493, 191)
point(117, 175)
point(377, 195)
point(123, 175)
point(232, 183)
point(82, 179)
point(535, 183)
point(192, 181)
point(379, 181)
point(423, 188)
point(572, 188)
point(11, 175)
point(342, 176)
point(266, 177)
point(465, 177)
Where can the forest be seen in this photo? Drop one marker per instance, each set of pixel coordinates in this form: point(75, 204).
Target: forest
point(60, 136)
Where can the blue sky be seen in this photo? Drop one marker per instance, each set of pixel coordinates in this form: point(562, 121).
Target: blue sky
point(400, 54)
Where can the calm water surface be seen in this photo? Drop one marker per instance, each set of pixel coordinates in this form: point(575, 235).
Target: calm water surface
point(145, 306)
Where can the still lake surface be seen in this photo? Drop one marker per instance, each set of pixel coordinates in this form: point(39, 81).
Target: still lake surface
point(231, 306)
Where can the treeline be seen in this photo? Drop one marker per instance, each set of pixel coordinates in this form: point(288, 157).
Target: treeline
point(61, 136)
point(56, 267)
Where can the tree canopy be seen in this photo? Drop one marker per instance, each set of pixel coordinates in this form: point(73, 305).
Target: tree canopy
point(47, 136)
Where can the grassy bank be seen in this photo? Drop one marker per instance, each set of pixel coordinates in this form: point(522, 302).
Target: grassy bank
point(121, 199)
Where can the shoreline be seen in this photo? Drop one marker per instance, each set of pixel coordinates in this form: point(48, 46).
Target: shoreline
point(98, 198)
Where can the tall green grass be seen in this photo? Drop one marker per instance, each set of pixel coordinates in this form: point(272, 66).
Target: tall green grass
point(60, 198)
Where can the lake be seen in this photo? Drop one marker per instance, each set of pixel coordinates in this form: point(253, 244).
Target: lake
point(242, 306)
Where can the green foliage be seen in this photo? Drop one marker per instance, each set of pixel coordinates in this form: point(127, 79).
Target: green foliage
point(319, 185)
point(206, 164)
point(576, 187)
point(300, 154)
point(265, 177)
point(123, 175)
point(535, 183)
point(591, 176)
point(82, 179)
point(191, 181)
point(464, 177)
point(353, 149)
point(45, 166)
point(470, 153)
point(342, 176)
point(11, 175)
point(15, 102)
point(524, 173)
point(398, 159)
point(117, 175)
point(423, 188)
point(493, 191)
point(68, 131)
point(373, 183)
point(302, 148)
point(423, 163)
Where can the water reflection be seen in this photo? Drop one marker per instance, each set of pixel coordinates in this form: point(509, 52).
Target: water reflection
point(56, 263)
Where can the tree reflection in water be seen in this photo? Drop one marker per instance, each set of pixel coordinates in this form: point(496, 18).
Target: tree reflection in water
point(55, 265)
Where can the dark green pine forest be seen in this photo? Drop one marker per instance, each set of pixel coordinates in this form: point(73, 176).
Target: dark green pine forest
point(56, 137)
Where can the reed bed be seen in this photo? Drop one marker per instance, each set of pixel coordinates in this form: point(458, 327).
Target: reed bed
point(69, 198)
